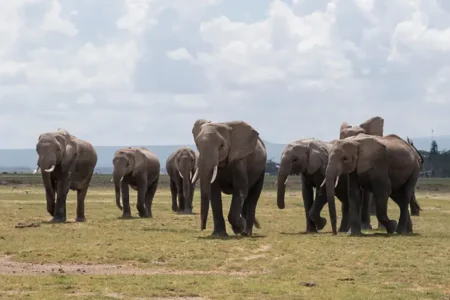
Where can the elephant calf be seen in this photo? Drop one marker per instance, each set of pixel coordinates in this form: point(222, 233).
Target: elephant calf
point(138, 168)
point(67, 163)
point(181, 166)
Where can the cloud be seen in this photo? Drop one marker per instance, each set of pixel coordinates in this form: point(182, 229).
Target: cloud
point(143, 71)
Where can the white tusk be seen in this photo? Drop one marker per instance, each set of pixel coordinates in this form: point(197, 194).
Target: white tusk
point(37, 170)
point(112, 178)
point(190, 175)
point(337, 181)
point(51, 169)
point(195, 175)
point(286, 181)
point(180, 174)
point(214, 174)
point(276, 182)
point(121, 179)
point(323, 182)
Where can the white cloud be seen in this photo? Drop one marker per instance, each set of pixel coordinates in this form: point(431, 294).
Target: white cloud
point(292, 69)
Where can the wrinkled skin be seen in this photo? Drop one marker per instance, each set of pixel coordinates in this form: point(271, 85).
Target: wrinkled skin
point(139, 169)
point(181, 167)
point(309, 158)
point(232, 160)
point(66, 162)
point(372, 126)
point(386, 166)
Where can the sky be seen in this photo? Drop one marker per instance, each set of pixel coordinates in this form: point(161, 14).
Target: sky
point(140, 72)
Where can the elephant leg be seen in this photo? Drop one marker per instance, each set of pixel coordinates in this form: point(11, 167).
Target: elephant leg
point(173, 191)
point(317, 206)
point(125, 200)
point(81, 196)
point(365, 214)
point(372, 207)
point(238, 223)
point(403, 201)
point(141, 196)
point(191, 199)
point(345, 226)
point(216, 207)
point(381, 194)
point(60, 207)
point(150, 195)
point(181, 200)
point(249, 211)
point(308, 199)
point(354, 202)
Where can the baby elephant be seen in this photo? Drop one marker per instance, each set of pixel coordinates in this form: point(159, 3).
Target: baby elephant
point(181, 166)
point(140, 169)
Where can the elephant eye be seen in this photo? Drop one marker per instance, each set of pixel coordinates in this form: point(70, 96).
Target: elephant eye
point(345, 158)
point(295, 159)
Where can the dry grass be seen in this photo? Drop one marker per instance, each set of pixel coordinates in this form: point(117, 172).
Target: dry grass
point(169, 257)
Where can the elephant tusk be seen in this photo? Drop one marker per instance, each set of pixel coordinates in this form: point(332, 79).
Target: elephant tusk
point(337, 181)
point(323, 182)
point(180, 174)
point(52, 168)
point(112, 179)
point(195, 176)
point(190, 175)
point(286, 181)
point(36, 170)
point(276, 182)
point(121, 179)
point(214, 174)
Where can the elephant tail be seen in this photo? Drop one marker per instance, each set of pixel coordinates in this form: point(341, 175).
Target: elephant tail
point(418, 152)
point(414, 204)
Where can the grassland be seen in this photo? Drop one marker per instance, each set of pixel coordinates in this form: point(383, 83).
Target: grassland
point(168, 257)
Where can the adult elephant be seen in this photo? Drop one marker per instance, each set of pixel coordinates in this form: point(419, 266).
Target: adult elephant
point(181, 166)
point(232, 160)
point(386, 166)
point(373, 126)
point(67, 163)
point(309, 158)
point(138, 168)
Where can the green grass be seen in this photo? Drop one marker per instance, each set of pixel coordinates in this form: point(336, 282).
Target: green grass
point(274, 264)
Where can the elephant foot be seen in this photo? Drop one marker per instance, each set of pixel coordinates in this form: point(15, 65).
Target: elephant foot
point(344, 229)
point(246, 233)
point(57, 219)
point(185, 212)
point(321, 224)
point(366, 226)
point(126, 215)
point(355, 233)
point(80, 219)
point(392, 226)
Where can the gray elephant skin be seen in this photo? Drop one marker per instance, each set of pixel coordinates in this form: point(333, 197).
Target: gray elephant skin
point(386, 166)
point(309, 158)
point(138, 168)
point(67, 163)
point(232, 160)
point(181, 166)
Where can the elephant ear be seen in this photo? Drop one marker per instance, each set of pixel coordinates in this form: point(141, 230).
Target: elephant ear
point(140, 161)
point(371, 154)
point(373, 126)
point(243, 140)
point(70, 153)
point(317, 157)
point(198, 126)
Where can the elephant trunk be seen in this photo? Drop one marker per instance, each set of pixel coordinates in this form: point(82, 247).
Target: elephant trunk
point(47, 163)
point(281, 189)
point(187, 186)
point(208, 173)
point(331, 179)
point(117, 177)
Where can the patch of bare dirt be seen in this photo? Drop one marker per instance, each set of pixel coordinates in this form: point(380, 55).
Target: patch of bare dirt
point(10, 267)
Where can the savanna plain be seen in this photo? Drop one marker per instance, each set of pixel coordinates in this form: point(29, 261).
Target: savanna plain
point(168, 257)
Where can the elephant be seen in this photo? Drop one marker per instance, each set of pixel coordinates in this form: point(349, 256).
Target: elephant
point(181, 166)
point(387, 166)
point(232, 160)
point(138, 168)
point(372, 126)
point(309, 158)
point(67, 163)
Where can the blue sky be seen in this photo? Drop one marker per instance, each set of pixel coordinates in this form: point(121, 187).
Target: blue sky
point(142, 71)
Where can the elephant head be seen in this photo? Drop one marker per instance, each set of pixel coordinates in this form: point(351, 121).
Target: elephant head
point(127, 161)
point(303, 156)
point(219, 144)
point(373, 126)
point(351, 155)
point(55, 150)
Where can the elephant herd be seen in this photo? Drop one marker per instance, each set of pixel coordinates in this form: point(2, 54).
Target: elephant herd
point(362, 169)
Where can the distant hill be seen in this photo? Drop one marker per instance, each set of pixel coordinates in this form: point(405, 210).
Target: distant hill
point(24, 160)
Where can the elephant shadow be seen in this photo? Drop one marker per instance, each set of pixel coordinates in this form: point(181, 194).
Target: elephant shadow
point(303, 233)
point(173, 230)
point(230, 237)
